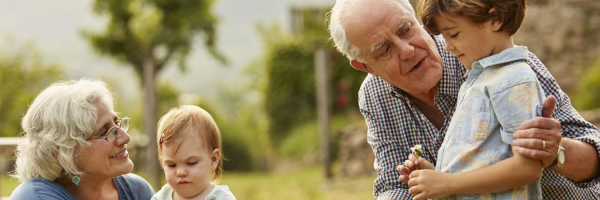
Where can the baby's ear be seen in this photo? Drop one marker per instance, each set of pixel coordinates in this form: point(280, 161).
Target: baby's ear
point(496, 20)
point(215, 158)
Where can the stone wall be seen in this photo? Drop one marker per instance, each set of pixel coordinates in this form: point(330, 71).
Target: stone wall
point(356, 156)
point(565, 35)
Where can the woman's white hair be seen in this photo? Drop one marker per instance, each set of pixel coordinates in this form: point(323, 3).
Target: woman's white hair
point(58, 122)
point(339, 13)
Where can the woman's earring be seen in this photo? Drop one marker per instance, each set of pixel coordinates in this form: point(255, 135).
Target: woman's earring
point(76, 179)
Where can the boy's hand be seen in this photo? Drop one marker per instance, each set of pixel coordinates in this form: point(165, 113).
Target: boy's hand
point(411, 164)
point(429, 184)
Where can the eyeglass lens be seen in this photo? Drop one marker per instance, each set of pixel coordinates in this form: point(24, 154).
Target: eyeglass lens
point(114, 131)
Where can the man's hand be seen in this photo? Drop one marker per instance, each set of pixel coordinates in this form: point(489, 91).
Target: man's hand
point(538, 138)
point(411, 164)
point(429, 184)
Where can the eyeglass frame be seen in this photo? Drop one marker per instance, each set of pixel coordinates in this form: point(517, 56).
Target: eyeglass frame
point(114, 129)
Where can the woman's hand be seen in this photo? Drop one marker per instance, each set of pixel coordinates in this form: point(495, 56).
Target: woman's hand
point(427, 184)
point(411, 164)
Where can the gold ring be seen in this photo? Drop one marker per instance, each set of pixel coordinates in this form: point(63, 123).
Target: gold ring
point(543, 144)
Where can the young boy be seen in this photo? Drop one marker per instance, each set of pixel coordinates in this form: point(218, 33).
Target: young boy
point(476, 160)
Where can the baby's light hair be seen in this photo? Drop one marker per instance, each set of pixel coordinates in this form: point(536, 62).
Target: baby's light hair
point(185, 120)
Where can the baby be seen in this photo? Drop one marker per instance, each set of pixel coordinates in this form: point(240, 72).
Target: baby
point(189, 151)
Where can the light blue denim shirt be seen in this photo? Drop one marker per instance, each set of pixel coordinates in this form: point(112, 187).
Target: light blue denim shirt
point(500, 92)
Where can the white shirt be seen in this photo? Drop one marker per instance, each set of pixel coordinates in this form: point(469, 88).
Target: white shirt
point(219, 192)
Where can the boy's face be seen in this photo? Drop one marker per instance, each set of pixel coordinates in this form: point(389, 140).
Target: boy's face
point(188, 165)
point(469, 41)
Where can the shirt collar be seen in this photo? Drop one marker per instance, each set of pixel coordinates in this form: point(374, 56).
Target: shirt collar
point(507, 56)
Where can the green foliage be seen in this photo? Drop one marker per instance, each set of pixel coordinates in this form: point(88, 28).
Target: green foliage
point(304, 140)
point(589, 89)
point(159, 30)
point(243, 128)
point(235, 148)
point(23, 75)
point(289, 91)
point(290, 95)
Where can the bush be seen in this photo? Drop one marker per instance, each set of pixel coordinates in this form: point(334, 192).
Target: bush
point(589, 90)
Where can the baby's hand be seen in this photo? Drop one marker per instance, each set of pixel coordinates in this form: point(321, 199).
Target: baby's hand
point(411, 165)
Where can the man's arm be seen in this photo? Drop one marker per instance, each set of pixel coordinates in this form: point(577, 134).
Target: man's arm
point(581, 155)
point(385, 143)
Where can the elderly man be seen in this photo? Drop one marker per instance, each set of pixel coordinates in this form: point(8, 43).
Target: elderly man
point(410, 93)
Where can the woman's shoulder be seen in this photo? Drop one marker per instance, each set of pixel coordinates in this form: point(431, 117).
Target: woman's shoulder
point(36, 188)
point(220, 192)
point(134, 186)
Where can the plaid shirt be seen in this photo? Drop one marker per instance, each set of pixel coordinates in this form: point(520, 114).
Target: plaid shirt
point(395, 124)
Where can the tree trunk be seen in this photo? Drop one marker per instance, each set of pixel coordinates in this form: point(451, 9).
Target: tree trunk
point(322, 83)
point(152, 167)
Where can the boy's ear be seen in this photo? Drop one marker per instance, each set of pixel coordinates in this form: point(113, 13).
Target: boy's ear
point(361, 66)
point(496, 20)
point(214, 159)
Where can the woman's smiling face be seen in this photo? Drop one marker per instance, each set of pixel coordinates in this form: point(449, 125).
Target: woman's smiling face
point(103, 159)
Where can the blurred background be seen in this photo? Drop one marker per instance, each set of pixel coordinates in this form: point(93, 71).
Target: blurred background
point(251, 64)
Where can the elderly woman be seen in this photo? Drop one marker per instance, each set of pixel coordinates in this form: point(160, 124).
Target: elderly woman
point(76, 147)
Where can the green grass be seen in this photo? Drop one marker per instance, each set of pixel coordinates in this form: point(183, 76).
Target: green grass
point(299, 184)
point(7, 185)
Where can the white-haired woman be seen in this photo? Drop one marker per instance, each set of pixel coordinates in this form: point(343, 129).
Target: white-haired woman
point(76, 147)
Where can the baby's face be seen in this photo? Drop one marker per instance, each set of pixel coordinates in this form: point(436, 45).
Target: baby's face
point(188, 165)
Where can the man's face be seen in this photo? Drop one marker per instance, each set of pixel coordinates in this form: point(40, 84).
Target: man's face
point(394, 46)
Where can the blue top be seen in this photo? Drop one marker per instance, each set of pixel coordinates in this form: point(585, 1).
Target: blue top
point(500, 93)
point(129, 187)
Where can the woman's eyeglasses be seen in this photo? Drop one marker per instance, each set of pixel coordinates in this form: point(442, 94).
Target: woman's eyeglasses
point(111, 134)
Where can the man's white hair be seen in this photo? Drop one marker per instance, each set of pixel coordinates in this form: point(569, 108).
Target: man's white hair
point(58, 122)
point(341, 12)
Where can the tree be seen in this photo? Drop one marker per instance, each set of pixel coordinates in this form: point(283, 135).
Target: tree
point(23, 75)
point(147, 35)
point(288, 82)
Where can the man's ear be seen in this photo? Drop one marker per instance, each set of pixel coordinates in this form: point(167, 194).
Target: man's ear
point(361, 66)
point(496, 23)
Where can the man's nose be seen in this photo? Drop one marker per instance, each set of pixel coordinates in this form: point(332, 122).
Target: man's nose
point(405, 49)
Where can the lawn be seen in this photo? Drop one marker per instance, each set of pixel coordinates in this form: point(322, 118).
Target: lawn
point(305, 183)
point(7, 185)
point(300, 184)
